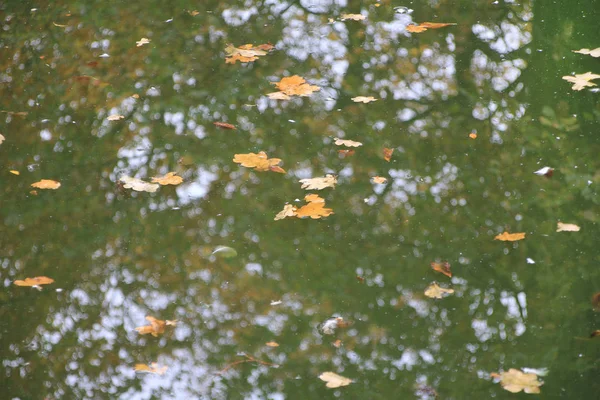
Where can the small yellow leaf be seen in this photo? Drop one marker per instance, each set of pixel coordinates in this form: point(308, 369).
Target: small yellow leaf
point(168, 179)
point(115, 117)
point(515, 381)
point(293, 86)
point(594, 53)
point(387, 154)
point(319, 183)
point(353, 17)
point(567, 227)
point(14, 172)
point(473, 135)
point(510, 237)
point(46, 184)
point(259, 162)
point(138, 185)
point(152, 368)
point(334, 380)
point(581, 81)
point(272, 344)
point(315, 208)
point(142, 42)
point(288, 211)
point(347, 143)
point(379, 179)
point(436, 292)
point(362, 99)
point(38, 280)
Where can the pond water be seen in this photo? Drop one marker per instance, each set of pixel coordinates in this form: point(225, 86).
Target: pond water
point(117, 255)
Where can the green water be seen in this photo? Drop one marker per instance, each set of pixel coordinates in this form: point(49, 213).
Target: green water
point(117, 255)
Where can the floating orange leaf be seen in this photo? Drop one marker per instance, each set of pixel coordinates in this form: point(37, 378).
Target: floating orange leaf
point(444, 268)
point(246, 53)
point(224, 125)
point(436, 292)
point(473, 135)
point(319, 183)
point(515, 381)
point(272, 344)
point(337, 343)
point(46, 184)
point(156, 326)
point(236, 57)
point(379, 179)
point(347, 143)
point(387, 154)
point(363, 99)
point(423, 26)
point(152, 368)
point(169, 179)
point(315, 208)
point(14, 172)
point(259, 162)
point(353, 17)
point(38, 280)
point(510, 237)
point(292, 86)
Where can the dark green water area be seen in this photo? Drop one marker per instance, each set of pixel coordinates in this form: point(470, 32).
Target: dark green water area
point(472, 111)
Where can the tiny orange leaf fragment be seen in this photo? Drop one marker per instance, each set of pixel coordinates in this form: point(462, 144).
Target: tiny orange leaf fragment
point(423, 26)
point(272, 344)
point(315, 209)
point(515, 381)
point(510, 237)
point(46, 184)
point(152, 368)
point(38, 280)
point(14, 172)
point(224, 125)
point(387, 154)
point(337, 343)
point(292, 86)
point(473, 135)
point(259, 162)
point(156, 326)
point(444, 268)
point(347, 143)
point(169, 179)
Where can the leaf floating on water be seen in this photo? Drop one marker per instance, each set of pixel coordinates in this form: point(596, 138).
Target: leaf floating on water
point(315, 208)
point(546, 171)
point(332, 324)
point(46, 184)
point(581, 81)
point(337, 343)
point(169, 179)
point(156, 326)
point(436, 292)
point(595, 333)
point(362, 99)
point(14, 172)
point(152, 368)
point(334, 380)
point(594, 53)
point(142, 42)
point(444, 268)
point(288, 211)
point(246, 53)
point(2, 138)
point(224, 252)
point(319, 183)
point(114, 117)
point(387, 154)
point(138, 185)
point(515, 381)
point(473, 135)
point(272, 344)
point(567, 227)
point(38, 280)
point(292, 86)
point(423, 26)
point(379, 180)
point(510, 237)
point(259, 162)
point(224, 125)
point(353, 17)
point(347, 143)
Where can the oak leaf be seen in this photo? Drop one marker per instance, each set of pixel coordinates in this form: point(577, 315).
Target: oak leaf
point(334, 380)
point(436, 292)
point(319, 183)
point(515, 381)
point(156, 326)
point(387, 154)
point(510, 237)
point(260, 162)
point(363, 99)
point(423, 26)
point(347, 143)
point(444, 268)
point(38, 280)
point(169, 179)
point(138, 185)
point(567, 227)
point(581, 81)
point(46, 184)
point(152, 368)
point(594, 53)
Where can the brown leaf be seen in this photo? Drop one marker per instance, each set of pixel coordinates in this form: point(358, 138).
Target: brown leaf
point(347, 143)
point(334, 380)
point(156, 326)
point(152, 368)
point(436, 292)
point(515, 381)
point(423, 26)
point(581, 81)
point(510, 237)
point(387, 154)
point(259, 162)
point(46, 184)
point(168, 179)
point(595, 333)
point(567, 227)
point(319, 183)
point(444, 268)
point(38, 280)
point(224, 125)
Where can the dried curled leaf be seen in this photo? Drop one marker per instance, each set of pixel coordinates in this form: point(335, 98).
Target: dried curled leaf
point(423, 26)
point(46, 184)
point(515, 381)
point(567, 227)
point(2, 138)
point(319, 183)
point(387, 154)
point(156, 326)
point(138, 185)
point(581, 81)
point(347, 143)
point(510, 237)
point(293, 86)
point(169, 179)
point(334, 380)
point(444, 268)
point(363, 99)
point(152, 368)
point(594, 53)
point(38, 280)
point(259, 162)
point(436, 292)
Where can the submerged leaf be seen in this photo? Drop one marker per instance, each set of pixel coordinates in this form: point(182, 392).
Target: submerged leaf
point(334, 380)
point(46, 184)
point(259, 162)
point(515, 381)
point(138, 185)
point(510, 237)
point(38, 280)
point(319, 183)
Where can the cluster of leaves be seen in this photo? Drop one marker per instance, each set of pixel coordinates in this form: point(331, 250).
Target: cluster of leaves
point(581, 81)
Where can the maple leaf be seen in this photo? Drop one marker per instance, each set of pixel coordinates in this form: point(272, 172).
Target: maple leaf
point(436, 292)
point(38, 280)
point(353, 17)
point(292, 86)
point(142, 42)
point(510, 237)
point(152, 368)
point(387, 154)
point(315, 208)
point(581, 81)
point(347, 143)
point(319, 183)
point(594, 53)
point(288, 211)
point(334, 380)
point(259, 162)
point(444, 268)
point(515, 381)
point(156, 326)
point(224, 125)
point(169, 179)
point(46, 184)
point(362, 99)
point(138, 185)
point(423, 26)
point(567, 227)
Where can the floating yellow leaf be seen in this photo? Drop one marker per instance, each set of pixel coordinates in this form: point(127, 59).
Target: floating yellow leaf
point(156, 326)
point(272, 344)
point(315, 208)
point(436, 292)
point(319, 183)
point(379, 179)
point(247, 51)
point(152, 368)
point(510, 237)
point(362, 99)
point(138, 185)
point(224, 125)
point(38, 280)
point(444, 268)
point(353, 17)
point(567, 227)
point(14, 172)
point(293, 86)
point(581, 81)
point(334, 380)
point(259, 162)
point(387, 154)
point(168, 179)
point(193, 13)
point(288, 211)
point(347, 143)
point(515, 381)
point(473, 135)
point(142, 42)
point(115, 117)
point(423, 26)
point(2, 138)
point(593, 53)
point(46, 184)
